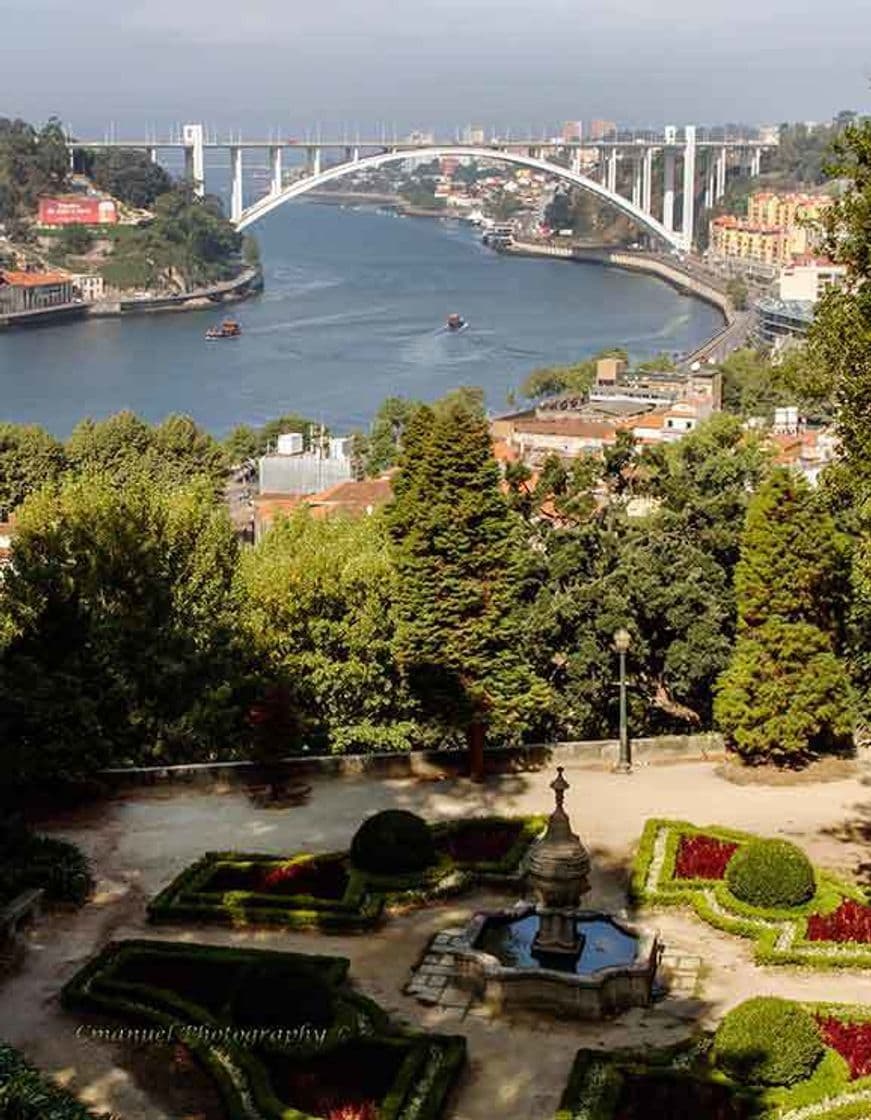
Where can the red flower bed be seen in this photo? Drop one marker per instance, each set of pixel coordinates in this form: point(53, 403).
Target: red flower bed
point(702, 857)
point(852, 1041)
point(850, 922)
point(481, 843)
point(318, 878)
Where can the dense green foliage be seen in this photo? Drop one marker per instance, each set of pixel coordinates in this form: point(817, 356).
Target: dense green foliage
point(461, 567)
point(29, 458)
point(32, 162)
point(786, 694)
point(245, 442)
point(118, 616)
point(771, 874)
point(25, 1094)
point(188, 244)
point(392, 842)
point(129, 175)
point(768, 1041)
point(26, 860)
point(576, 378)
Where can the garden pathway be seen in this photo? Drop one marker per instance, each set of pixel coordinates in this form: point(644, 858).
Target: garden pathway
point(139, 841)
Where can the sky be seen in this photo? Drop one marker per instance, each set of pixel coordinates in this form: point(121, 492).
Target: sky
point(343, 65)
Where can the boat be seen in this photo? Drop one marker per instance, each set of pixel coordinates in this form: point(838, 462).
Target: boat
point(229, 328)
point(456, 322)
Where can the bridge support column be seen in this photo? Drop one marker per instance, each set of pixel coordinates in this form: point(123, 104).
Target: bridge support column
point(612, 171)
point(152, 155)
point(277, 178)
point(710, 179)
point(668, 190)
point(576, 161)
point(637, 168)
point(720, 189)
point(314, 161)
point(356, 155)
point(689, 186)
point(647, 183)
point(756, 163)
point(236, 190)
point(194, 157)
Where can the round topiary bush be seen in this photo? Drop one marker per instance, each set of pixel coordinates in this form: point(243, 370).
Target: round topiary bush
point(768, 1041)
point(773, 874)
point(393, 842)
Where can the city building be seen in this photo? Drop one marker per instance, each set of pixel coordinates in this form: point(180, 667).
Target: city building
point(572, 130)
point(777, 228)
point(779, 321)
point(602, 130)
point(473, 134)
point(89, 287)
point(349, 498)
point(291, 470)
point(807, 278)
point(34, 291)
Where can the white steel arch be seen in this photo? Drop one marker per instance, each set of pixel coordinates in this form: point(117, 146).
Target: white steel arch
point(270, 202)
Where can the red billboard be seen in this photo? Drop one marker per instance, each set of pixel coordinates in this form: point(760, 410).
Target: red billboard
point(77, 211)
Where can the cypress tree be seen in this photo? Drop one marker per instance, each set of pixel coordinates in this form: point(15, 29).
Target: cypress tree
point(461, 559)
point(786, 695)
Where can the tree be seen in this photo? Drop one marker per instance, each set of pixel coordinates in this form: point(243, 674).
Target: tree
point(75, 240)
point(578, 378)
point(385, 435)
point(318, 605)
point(461, 561)
point(118, 627)
point(736, 290)
point(29, 458)
point(129, 175)
point(786, 695)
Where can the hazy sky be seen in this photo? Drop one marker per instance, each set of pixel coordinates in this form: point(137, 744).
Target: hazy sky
point(256, 64)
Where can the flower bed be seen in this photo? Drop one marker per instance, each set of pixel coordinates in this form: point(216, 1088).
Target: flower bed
point(703, 857)
point(676, 864)
point(286, 1036)
point(683, 1082)
point(327, 893)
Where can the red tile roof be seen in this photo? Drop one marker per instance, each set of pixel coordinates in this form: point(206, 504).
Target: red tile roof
point(34, 279)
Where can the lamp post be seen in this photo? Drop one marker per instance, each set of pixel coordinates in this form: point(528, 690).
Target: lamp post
point(622, 640)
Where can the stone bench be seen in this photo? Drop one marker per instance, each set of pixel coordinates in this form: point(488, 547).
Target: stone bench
point(24, 907)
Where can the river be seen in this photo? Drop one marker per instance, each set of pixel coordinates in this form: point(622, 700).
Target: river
point(353, 311)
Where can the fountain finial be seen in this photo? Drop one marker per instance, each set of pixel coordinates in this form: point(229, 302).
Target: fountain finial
point(559, 786)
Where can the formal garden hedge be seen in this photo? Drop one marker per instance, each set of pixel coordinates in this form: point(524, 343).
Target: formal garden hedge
point(282, 1035)
point(328, 892)
point(25, 1094)
point(832, 1068)
point(679, 864)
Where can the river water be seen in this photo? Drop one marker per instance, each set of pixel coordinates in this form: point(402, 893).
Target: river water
point(353, 311)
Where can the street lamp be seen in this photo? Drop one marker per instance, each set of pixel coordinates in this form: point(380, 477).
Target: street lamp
point(622, 641)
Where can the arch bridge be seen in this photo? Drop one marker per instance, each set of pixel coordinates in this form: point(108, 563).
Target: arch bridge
point(592, 166)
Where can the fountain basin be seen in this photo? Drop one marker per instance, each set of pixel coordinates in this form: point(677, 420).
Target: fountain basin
point(614, 970)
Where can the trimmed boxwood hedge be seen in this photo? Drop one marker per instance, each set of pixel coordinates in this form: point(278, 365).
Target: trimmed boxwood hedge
point(597, 1083)
point(779, 934)
point(393, 842)
point(768, 1041)
point(25, 1094)
point(429, 1063)
point(771, 874)
point(188, 898)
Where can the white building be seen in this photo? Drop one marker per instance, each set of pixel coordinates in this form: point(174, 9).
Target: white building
point(807, 280)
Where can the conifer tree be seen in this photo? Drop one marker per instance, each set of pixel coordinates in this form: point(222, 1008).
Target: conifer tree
point(786, 695)
point(461, 559)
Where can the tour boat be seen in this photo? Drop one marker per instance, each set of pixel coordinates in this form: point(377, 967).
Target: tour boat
point(456, 322)
point(228, 329)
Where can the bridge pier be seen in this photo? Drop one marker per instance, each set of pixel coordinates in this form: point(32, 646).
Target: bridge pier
point(236, 206)
point(194, 157)
point(720, 188)
point(612, 171)
point(756, 163)
point(637, 167)
point(668, 190)
point(689, 186)
point(277, 176)
point(647, 182)
point(710, 179)
point(314, 161)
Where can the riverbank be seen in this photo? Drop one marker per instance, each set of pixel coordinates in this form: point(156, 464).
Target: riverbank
point(248, 283)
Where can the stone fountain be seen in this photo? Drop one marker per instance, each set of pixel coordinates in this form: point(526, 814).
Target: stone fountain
point(547, 954)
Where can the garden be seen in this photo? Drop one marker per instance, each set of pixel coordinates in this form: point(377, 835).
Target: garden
point(396, 861)
point(284, 1036)
point(769, 1058)
point(766, 890)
